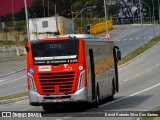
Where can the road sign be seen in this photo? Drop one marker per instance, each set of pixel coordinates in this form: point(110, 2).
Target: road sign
point(107, 35)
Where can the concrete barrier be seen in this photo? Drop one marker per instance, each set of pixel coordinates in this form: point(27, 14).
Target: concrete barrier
point(11, 51)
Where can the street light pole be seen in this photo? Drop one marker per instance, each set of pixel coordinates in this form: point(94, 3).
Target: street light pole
point(43, 7)
point(26, 12)
point(133, 10)
point(159, 11)
point(106, 15)
point(149, 10)
point(13, 13)
point(141, 21)
point(153, 19)
point(48, 8)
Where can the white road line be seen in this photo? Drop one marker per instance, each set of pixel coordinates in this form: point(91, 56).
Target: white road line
point(12, 80)
point(126, 80)
point(67, 117)
point(138, 75)
point(148, 69)
point(127, 34)
point(134, 94)
point(2, 90)
point(26, 109)
point(1, 80)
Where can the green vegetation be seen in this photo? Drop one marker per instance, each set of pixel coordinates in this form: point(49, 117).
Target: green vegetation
point(17, 95)
point(147, 118)
point(146, 22)
point(139, 50)
point(152, 118)
point(13, 42)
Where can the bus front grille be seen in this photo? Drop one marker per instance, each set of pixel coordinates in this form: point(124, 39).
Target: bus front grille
point(60, 82)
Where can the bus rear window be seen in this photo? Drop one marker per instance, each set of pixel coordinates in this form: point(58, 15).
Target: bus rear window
point(55, 52)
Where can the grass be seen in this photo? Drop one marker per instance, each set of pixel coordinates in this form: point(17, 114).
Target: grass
point(152, 118)
point(17, 95)
point(12, 43)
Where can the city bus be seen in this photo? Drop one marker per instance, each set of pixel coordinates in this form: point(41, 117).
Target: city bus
point(71, 68)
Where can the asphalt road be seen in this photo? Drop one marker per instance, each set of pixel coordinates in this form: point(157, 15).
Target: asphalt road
point(128, 39)
point(134, 36)
point(139, 91)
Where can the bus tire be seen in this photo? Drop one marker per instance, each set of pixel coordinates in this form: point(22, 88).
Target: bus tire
point(96, 103)
point(47, 107)
point(113, 91)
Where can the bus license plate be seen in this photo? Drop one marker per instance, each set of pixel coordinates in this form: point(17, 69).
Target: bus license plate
point(58, 100)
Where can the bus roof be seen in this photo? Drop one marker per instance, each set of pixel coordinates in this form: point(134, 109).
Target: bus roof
point(85, 37)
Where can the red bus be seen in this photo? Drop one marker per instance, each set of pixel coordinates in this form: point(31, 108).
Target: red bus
point(71, 69)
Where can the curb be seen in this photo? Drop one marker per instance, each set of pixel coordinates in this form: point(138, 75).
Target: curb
point(12, 72)
point(13, 100)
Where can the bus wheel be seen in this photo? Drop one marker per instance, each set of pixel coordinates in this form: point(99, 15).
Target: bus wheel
point(96, 103)
point(47, 107)
point(113, 92)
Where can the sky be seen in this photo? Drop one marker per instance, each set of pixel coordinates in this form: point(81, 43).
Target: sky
point(6, 5)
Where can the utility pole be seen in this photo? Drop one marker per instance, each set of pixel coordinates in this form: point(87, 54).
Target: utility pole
point(106, 15)
point(48, 8)
point(26, 12)
point(13, 13)
point(140, 7)
point(159, 11)
point(56, 18)
point(153, 19)
point(43, 8)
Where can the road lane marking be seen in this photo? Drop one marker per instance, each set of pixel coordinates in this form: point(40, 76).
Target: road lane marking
point(126, 80)
point(128, 34)
point(148, 69)
point(13, 80)
point(2, 90)
point(26, 109)
point(134, 94)
point(1, 80)
point(138, 75)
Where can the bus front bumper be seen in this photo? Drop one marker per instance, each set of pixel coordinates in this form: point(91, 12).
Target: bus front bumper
point(36, 99)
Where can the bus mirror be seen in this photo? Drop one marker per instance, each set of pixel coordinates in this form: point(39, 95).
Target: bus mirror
point(119, 55)
point(27, 48)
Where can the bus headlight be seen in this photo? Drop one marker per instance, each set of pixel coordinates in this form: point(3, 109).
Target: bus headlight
point(81, 80)
point(32, 82)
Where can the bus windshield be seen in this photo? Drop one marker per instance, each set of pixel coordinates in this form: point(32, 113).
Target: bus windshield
point(55, 52)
